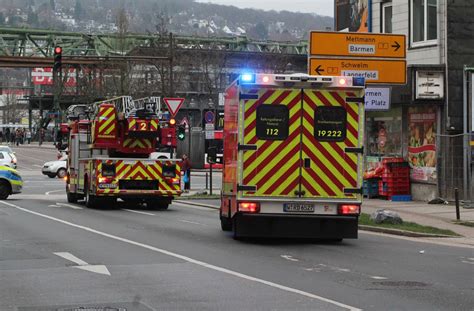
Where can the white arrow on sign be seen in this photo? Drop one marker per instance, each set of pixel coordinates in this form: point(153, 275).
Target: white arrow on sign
point(81, 264)
point(173, 104)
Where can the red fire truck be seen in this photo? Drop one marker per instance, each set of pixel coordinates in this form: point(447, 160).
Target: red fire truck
point(293, 156)
point(109, 147)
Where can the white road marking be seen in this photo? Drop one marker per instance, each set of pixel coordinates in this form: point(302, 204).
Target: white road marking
point(53, 205)
point(100, 269)
point(138, 212)
point(289, 257)
point(469, 262)
point(52, 191)
point(378, 277)
point(69, 205)
point(71, 257)
point(189, 259)
point(36, 165)
point(191, 222)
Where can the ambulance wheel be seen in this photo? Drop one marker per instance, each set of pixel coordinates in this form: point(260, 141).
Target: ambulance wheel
point(226, 224)
point(71, 197)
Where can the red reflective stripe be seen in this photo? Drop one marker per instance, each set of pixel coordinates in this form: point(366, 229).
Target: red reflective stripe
point(277, 101)
point(330, 158)
point(276, 167)
point(335, 146)
point(267, 143)
point(322, 167)
point(283, 178)
point(257, 103)
point(309, 187)
point(272, 155)
point(343, 103)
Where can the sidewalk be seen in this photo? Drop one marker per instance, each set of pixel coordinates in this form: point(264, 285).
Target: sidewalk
point(434, 215)
point(45, 145)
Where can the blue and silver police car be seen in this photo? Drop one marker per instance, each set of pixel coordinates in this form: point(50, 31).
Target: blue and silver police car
point(10, 182)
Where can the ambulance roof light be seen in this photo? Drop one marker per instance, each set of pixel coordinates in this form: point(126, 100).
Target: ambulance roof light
point(247, 78)
point(342, 81)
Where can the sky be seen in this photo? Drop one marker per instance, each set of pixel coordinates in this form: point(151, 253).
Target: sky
point(320, 7)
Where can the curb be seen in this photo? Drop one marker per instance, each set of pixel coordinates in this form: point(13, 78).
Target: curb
point(405, 232)
point(197, 204)
point(361, 227)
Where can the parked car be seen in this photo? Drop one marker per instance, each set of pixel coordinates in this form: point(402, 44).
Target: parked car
point(11, 153)
point(10, 182)
point(54, 169)
point(7, 159)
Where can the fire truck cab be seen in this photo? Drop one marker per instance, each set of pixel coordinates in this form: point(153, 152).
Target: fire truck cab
point(293, 156)
point(109, 148)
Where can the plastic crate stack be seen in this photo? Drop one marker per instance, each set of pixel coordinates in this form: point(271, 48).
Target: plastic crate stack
point(371, 187)
point(395, 183)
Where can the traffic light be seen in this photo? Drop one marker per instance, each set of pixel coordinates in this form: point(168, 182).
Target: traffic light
point(58, 51)
point(181, 132)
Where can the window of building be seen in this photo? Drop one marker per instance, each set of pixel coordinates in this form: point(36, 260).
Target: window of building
point(387, 17)
point(424, 22)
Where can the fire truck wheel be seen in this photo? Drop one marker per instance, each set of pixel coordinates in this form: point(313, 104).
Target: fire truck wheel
point(157, 204)
point(61, 173)
point(5, 190)
point(91, 200)
point(226, 224)
point(71, 197)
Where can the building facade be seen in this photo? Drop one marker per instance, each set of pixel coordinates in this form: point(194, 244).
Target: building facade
point(426, 117)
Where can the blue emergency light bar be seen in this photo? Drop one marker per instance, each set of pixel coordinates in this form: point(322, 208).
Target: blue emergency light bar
point(247, 78)
point(358, 81)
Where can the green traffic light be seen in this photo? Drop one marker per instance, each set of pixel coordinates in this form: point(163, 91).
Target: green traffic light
point(181, 133)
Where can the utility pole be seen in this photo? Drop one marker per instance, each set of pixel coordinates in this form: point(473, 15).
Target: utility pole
point(57, 80)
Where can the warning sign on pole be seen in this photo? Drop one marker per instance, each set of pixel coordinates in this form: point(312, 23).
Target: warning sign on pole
point(173, 105)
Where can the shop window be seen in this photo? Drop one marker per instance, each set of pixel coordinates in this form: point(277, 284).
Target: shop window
point(272, 122)
point(384, 133)
point(387, 17)
point(424, 22)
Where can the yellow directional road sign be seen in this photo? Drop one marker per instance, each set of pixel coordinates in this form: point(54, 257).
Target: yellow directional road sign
point(357, 44)
point(374, 71)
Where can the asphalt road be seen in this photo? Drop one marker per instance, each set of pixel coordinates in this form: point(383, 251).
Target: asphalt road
point(59, 256)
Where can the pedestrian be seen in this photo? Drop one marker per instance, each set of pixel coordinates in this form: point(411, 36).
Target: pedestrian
point(186, 171)
point(18, 137)
point(41, 136)
point(28, 136)
point(7, 135)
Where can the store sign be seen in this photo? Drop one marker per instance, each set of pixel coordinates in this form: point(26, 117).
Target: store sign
point(377, 98)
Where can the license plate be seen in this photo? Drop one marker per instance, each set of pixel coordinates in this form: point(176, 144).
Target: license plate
point(107, 186)
point(298, 207)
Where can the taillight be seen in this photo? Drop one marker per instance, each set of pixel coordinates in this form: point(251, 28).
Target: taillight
point(249, 207)
point(348, 209)
point(173, 181)
point(104, 180)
